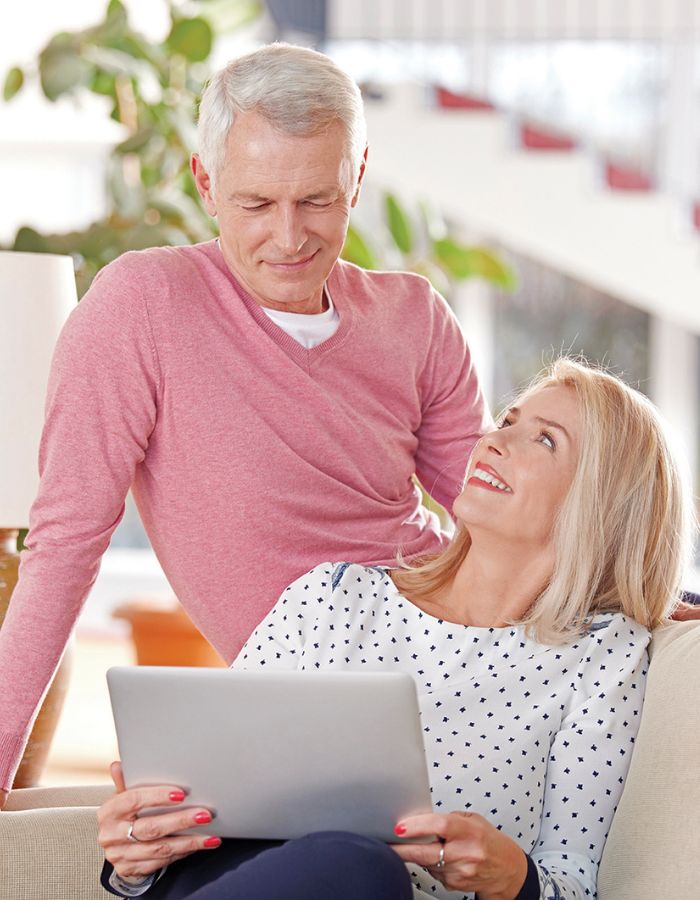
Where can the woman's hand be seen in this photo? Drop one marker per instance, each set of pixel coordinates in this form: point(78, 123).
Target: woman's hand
point(475, 855)
point(152, 844)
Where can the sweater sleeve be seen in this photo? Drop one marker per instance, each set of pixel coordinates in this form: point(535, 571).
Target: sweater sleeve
point(589, 759)
point(278, 641)
point(100, 411)
point(454, 412)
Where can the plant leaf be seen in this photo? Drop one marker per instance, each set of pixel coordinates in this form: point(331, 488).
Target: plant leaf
point(114, 26)
point(116, 12)
point(398, 223)
point(103, 83)
point(61, 68)
point(356, 250)
point(191, 38)
point(27, 240)
point(13, 83)
point(136, 141)
point(455, 258)
point(462, 262)
point(491, 267)
point(228, 15)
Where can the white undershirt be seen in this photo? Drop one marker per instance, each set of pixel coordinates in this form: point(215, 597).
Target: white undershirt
point(308, 330)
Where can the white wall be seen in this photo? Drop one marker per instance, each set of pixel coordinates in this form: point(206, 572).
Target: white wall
point(549, 206)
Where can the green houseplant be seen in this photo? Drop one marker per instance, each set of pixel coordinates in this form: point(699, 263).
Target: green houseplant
point(424, 243)
point(151, 89)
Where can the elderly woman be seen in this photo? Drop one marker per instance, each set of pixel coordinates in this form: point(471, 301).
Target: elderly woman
point(527, 640)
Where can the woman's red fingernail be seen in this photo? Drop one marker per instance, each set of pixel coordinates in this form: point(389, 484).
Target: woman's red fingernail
point(212, 842)
point(400, 829)
point(202, 818)
point(177, 796)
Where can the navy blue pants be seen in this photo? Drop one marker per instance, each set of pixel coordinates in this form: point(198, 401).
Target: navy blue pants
point(321, 866)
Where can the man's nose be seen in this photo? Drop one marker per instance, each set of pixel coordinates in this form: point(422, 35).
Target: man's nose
point(290, 232)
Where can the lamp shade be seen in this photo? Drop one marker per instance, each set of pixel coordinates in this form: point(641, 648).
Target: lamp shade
point(37, 292)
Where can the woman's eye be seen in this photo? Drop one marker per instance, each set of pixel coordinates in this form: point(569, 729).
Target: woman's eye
point(548, 440)
point(505, 423)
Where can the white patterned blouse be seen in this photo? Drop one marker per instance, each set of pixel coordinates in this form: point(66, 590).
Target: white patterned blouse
point(536, 738)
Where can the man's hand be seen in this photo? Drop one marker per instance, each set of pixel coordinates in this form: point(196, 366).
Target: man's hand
point(684, 612)
point(470, 855)
point(3, 798)
point(137, 847)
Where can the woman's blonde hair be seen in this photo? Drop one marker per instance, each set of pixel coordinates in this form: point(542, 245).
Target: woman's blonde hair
point(623, 535)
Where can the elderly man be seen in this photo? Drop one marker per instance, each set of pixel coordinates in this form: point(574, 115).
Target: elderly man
point(267, 403)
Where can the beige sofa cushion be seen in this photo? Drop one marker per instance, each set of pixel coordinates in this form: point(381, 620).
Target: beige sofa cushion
point(48, 844)
point(654, 845)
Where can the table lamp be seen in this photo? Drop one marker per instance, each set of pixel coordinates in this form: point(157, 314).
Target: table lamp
point(37, 292)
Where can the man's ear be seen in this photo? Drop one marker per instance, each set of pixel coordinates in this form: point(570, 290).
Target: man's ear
point(363, 166)
point(203, 183)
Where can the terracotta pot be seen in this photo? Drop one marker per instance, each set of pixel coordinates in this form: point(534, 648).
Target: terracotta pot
point(39, 744)
point(164, 635)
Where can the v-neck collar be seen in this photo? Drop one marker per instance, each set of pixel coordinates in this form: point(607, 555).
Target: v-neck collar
point(304, 357)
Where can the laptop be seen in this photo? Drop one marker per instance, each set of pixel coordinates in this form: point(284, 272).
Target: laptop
point(276, 755)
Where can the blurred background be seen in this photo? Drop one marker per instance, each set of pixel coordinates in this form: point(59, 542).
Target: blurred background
point(539, 160)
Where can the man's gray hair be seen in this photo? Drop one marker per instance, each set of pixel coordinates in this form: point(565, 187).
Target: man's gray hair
point(299, 91)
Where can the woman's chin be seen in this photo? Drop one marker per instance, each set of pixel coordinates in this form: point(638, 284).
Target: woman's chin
point(472, 510)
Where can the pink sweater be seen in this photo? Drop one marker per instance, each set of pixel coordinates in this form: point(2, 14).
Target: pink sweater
point(250, 457)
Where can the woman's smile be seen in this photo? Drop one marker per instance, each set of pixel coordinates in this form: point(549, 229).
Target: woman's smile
point(486, 476)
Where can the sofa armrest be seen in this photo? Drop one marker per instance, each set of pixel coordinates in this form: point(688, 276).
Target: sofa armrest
point(49, 797)
point(652, 849)
point(48, 844)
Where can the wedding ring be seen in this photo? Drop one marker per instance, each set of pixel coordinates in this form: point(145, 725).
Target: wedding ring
point(440, 864)
point(130, 836)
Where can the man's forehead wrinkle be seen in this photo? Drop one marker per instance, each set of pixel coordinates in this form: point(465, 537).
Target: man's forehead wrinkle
point(269, 188)
point(264, 168)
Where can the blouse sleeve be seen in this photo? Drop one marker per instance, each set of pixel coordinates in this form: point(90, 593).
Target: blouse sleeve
point(278, 641)
point(589, 759)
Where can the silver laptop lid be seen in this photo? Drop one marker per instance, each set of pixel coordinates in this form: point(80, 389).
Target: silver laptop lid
point(276, 755)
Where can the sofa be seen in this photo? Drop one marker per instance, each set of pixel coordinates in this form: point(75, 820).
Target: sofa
point(48, 847)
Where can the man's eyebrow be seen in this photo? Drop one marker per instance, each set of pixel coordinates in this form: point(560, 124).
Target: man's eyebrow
point(322, 194)
point(252, 197)
point(248, 197)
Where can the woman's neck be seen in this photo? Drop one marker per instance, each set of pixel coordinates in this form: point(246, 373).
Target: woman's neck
point(493, 586)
